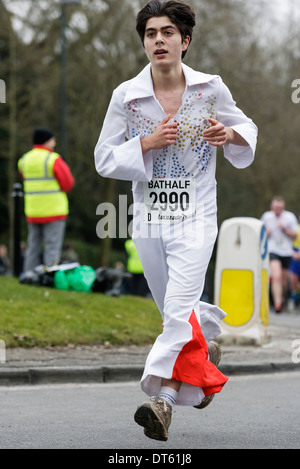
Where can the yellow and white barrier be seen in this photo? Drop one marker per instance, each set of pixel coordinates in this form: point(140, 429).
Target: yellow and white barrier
point(242, 280)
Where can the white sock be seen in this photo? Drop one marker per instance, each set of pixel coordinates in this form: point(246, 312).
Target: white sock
point(168, 394)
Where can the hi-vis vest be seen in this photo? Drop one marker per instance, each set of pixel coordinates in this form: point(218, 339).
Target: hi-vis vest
point(133, 264)
point(43, 196)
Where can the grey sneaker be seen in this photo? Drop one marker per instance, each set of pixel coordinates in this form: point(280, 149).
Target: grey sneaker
point(214, 351)
point(155, 416)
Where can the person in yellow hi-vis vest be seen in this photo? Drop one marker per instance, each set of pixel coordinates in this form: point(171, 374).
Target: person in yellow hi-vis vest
point(138, 282)
point(46, 179)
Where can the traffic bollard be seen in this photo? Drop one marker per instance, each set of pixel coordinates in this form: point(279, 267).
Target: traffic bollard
point(242, 280)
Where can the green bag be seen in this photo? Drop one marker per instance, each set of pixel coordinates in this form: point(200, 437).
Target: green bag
point(78, 279)
point(60, 280)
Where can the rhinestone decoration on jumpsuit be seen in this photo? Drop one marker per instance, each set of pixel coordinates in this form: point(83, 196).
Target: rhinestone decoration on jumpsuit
point(175, 260)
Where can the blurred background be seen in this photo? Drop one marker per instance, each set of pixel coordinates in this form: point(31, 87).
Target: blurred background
point(61, 60)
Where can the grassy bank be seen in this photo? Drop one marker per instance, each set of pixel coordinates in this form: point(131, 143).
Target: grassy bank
point(39, 316)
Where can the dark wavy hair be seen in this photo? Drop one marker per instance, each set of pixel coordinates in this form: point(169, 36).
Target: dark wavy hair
point(178, 12)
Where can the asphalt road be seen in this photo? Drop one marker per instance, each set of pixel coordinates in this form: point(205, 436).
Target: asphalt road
point(259, 411)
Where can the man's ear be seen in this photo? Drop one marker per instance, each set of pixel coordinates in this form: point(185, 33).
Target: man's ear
point(185, 43)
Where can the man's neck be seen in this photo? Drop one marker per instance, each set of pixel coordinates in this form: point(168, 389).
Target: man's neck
point(168, 79)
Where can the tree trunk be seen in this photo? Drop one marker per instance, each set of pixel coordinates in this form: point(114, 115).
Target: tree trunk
point(12, 103)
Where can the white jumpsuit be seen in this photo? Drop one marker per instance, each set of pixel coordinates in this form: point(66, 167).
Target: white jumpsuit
point(175, 254)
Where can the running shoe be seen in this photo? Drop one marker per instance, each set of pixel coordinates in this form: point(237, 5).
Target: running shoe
point(155, 416)
point(214, 354)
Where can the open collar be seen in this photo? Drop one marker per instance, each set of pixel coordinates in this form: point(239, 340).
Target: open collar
point(142, 86)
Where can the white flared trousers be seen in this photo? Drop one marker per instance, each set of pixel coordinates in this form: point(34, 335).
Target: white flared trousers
point(175, 260)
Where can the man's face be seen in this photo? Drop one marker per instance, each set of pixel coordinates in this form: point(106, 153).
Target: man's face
point(277, 207)
point(51, 143)
point(163, 42)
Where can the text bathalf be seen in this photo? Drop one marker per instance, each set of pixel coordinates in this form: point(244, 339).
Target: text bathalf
point(168, 184)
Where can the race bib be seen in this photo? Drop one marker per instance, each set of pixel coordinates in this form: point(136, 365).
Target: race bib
point(169, 200)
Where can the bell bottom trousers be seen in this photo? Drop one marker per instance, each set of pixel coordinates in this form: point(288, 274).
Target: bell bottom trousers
point(175, 262)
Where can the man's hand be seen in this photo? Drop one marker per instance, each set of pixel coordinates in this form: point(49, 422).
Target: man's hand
point(217, 135)
point(290, 233)
point(164, 135)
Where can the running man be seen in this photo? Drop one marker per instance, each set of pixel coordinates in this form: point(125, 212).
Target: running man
point(161, 132)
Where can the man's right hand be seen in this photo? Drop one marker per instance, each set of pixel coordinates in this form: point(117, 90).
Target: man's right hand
point(163, 136)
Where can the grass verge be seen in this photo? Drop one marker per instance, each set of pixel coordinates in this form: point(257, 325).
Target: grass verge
point(39, 316)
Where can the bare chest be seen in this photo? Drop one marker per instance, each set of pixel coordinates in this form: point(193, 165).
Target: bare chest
point(170, 101)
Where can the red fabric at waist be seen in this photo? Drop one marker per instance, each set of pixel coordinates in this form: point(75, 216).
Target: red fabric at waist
point(45, 219)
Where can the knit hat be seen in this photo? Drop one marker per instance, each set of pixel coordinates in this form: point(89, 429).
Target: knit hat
point(41, 135)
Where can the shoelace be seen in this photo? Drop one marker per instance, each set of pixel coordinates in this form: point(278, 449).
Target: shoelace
point(161, 403)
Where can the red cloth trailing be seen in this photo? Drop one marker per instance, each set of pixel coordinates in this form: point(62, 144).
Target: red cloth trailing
point(192, 365)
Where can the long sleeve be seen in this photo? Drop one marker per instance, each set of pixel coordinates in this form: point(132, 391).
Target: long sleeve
point(114, 156)
point(231, 116)
point(63, 174)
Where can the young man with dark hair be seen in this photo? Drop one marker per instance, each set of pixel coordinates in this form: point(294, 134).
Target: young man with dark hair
point(161, 132)
point(180, 14)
